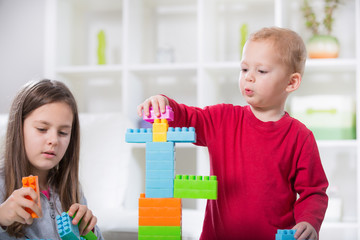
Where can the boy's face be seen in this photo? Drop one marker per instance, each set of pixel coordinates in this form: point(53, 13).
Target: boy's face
point(263, 78)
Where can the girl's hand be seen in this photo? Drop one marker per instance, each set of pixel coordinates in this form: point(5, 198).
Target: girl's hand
point(13, 209)
point(158, 104)
point(84, 216)
point(305, 230)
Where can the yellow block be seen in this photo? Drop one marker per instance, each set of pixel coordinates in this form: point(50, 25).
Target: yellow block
point(160, 128)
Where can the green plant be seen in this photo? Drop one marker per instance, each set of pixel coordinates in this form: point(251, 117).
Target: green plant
point(311, 21)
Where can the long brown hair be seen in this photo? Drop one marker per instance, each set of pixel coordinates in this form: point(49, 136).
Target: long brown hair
point(63, 178)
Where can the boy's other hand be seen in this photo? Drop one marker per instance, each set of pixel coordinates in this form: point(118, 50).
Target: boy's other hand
point(157, 102)
point(305, 230)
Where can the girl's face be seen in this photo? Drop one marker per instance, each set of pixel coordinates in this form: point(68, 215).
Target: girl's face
point(47, 132)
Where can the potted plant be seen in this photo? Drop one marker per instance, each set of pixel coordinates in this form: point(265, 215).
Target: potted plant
point(322, 44)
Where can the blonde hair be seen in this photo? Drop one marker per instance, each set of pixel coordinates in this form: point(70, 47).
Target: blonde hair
point(64, 177)
point(289, 45)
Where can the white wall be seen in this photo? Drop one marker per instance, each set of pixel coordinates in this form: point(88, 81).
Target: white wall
point(21, 46)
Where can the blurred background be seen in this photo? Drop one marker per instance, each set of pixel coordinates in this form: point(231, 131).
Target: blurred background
point(115, 53)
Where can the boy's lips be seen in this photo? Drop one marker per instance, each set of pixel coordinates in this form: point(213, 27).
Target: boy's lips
point(248, 91)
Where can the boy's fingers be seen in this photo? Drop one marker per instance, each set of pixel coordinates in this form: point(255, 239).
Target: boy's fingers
point(139, 110)
point(162, 105)
point(155, 106)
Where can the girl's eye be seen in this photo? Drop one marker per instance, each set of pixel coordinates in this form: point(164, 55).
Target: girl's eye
point(244, 70)
point(262, 72)
point(41, 129)
point(63, 133)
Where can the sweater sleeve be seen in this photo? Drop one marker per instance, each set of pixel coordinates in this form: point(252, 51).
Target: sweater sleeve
point(311, 184)
point(204, 120)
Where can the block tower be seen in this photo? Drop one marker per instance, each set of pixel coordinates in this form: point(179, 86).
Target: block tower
point(160, 208)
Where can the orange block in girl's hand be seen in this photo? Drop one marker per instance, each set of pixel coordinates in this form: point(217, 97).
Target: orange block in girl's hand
point(33, 182)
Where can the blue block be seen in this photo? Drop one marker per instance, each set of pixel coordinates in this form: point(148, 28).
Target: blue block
point(181, 134)
point(66, 230)
point(160, 183)
point(285, 234)
point(160, 174)
point(160, 146)
point(138, 135)
point(160, 156)
point(160, 165)
point(159, 193)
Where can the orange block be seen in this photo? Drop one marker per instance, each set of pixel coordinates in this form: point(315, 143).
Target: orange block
point(159, 211)
point(33, 182)
point(155, 221)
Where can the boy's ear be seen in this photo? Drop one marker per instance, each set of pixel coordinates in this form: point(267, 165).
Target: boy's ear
point(294, 82)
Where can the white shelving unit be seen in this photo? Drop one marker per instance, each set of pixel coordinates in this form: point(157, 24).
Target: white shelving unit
point(200, 39)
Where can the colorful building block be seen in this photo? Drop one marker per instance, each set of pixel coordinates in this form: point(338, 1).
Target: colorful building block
point(159, 211)
point(66, 230)
point(139, 135)
point(195, 187)
point(160, 128)
point(181, 134)
point(168, 115)
point(160, 157)
point(159, 233)
point(33, 182)
point(287, 234)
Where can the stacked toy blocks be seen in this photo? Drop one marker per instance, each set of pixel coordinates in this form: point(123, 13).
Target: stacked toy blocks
point(160, 213)
point(285, 234)
point(68, 231)
point(33, 182)
point(159, 218)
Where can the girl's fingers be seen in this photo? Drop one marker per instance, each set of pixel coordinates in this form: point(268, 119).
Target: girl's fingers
point(80, 211)
point(91, 225)
point(22, 216)
point(85, 221)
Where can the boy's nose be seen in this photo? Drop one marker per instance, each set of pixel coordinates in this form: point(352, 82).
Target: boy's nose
point(249, 77)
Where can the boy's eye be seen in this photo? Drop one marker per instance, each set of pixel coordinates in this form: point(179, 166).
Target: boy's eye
point(262, 71)
point(244, 69)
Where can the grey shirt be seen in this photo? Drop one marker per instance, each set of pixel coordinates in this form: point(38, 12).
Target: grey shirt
point(45, 227)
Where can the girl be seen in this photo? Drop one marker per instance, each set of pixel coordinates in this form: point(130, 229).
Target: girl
point(43, 139)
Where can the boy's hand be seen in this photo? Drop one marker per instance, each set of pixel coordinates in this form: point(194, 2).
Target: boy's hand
point(83, 214)
point(305, 230)
point(158, 104)
point(13, 209)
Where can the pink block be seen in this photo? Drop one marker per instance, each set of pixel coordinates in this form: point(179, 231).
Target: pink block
point(168, 115)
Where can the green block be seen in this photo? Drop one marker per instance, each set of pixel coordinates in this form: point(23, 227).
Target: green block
point(160, 230)
point(146, 237)
point(195, 187)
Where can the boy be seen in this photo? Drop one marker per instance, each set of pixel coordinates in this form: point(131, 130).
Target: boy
point(261, 156)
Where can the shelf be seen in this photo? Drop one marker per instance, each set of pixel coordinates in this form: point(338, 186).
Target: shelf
point(173, 69)
point(337, 143)
point(330, 65)
point(90, 71)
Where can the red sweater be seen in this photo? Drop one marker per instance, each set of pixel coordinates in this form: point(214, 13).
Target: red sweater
point(261, 167)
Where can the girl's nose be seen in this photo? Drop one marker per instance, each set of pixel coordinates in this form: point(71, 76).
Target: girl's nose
point(52, 138)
